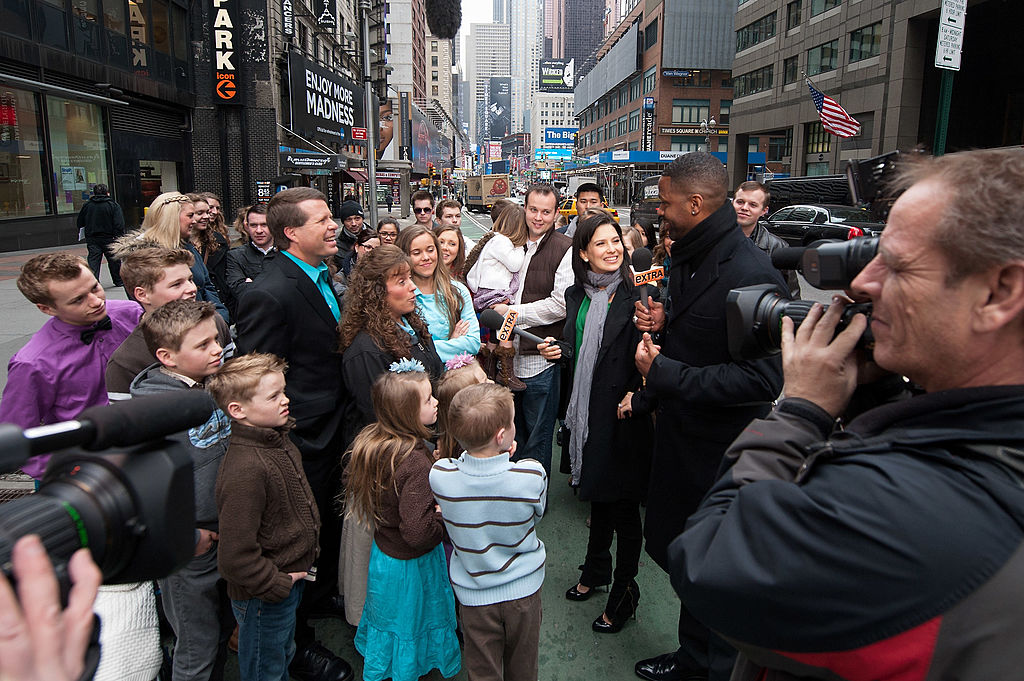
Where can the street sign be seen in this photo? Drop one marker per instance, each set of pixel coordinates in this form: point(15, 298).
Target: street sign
point(359, 133)
point(951, 34)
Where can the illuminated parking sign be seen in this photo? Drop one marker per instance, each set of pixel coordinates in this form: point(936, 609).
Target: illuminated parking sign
point(226, 85)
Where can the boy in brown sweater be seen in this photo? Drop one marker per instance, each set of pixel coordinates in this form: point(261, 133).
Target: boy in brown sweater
point(269, 522)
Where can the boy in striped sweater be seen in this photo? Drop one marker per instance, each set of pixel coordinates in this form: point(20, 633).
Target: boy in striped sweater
point(490, 506)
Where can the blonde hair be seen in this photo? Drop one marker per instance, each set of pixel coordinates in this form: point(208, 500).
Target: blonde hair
point(167, 326)
point(478, 412)
point(37, 273)
point(381, 447)
point(239, 378)
point(161, 222)
point(453, 381)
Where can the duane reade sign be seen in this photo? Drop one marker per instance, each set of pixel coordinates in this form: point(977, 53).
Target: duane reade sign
point(324, 105)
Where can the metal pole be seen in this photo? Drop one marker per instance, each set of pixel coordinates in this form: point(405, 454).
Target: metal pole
point(942, 121)
point(371, 132)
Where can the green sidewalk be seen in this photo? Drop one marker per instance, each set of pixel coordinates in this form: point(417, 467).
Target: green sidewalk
point(569, 649)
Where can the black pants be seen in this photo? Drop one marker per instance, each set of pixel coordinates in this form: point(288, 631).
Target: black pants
point(324, 476)
point(700, 648)
point(606, 520)
point(98, 246)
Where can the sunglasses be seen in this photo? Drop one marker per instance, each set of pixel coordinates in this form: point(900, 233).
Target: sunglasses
point(422, 210)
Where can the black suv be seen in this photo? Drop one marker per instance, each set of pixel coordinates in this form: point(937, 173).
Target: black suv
point(803, 225)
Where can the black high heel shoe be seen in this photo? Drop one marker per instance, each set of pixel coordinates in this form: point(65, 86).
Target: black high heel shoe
point(574, 594)
point(622, 604)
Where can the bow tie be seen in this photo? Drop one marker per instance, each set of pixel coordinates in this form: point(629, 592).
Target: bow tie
point(102, 325)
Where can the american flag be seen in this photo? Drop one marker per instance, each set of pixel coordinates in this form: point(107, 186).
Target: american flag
point(833, 117)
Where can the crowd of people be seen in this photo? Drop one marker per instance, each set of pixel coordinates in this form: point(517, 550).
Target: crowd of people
point(823, 513)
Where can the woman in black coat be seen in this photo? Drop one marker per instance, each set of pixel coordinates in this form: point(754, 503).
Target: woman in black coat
point(380, 325)
point(610, 445)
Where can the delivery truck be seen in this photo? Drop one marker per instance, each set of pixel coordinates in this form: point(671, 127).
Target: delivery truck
point(483, 190)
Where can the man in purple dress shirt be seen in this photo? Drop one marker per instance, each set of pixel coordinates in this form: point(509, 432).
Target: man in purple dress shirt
point(60, 370)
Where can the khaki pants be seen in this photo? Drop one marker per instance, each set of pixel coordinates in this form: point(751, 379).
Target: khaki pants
point(501, 640)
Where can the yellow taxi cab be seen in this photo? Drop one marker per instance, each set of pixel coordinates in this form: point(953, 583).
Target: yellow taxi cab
point(568, 209)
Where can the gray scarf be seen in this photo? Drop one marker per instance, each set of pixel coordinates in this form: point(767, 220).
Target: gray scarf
point(599, 288)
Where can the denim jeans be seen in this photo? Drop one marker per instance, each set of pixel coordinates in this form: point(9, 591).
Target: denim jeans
point(266, 636)
point(536, 408)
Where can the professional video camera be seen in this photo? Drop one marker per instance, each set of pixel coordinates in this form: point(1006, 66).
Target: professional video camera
point(118, 487)
point(754, 313)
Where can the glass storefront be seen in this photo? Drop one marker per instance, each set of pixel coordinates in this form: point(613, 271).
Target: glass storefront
point(79, 153)
point(23, 191)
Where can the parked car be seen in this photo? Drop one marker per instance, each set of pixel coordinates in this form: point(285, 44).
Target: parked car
point(568, 209)
point(802, 225)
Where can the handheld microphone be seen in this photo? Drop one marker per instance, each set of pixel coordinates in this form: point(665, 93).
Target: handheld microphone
point(493, 320)
point(121, 424)
point(643, 273)
point(444, 17)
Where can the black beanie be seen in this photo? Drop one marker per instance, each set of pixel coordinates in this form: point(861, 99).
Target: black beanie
point(351, 208)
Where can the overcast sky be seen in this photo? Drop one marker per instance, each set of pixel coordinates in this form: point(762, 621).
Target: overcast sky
point(473, 12)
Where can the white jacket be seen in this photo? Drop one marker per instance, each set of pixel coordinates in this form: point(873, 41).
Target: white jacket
point(498, 260)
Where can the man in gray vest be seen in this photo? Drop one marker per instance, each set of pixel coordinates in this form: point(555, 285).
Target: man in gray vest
point(540, 306)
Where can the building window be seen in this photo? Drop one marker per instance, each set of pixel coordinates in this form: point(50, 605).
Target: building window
point(650, 79)
point(623, 96)
point(433, 76)
point(623, 122)
point(823, 58)
point(78, 149)
point(724, 107)
point(790, 69)
point(696, 79)
point(651, 34)
point(753, 144)
point(687, 143)
point(433, 46)
point(793, 14)
point(433, 60)
point(634, 88)
point(817, 169)
point(690, 110)
point(433, 90)
point(758, 80)
point(819, 140)
point(23, 184)
point(611, 130)
point(634, 121)
point(819, 6)
point(866, 42)
point(780, 146)
point(757, 32)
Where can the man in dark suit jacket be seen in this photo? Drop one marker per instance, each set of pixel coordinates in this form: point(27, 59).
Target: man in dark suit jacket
point(291, 310)
point(705, 398)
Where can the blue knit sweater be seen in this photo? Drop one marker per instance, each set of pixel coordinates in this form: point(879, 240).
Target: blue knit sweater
point(490, 507)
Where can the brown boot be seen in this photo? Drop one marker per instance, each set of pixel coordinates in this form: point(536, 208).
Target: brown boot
point(505, 374)
point(487, 360)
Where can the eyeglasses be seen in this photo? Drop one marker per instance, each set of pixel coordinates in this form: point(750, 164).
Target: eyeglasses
point(422, 210)
point(388, 236)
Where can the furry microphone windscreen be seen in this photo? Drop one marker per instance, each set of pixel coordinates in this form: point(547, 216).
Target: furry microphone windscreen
point(444, 17)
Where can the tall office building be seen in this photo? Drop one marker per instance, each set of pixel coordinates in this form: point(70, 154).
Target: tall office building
point(526, 41)
point(553, 42)
point(487, 56)
point(407, 23)
point(582, 32)
point(502, 10)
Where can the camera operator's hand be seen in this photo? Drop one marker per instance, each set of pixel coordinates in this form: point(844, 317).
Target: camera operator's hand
point(816, 367)
point(39, 641)
point(206, 540)
point(549, 350)
point(649, 318)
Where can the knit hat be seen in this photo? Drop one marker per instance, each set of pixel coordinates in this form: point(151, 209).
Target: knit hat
point(350, 209)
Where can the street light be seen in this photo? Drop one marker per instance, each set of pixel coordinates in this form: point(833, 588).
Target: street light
point(371, 134)
point(709, 128)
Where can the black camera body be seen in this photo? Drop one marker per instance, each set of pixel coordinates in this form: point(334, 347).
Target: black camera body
point(131, 503)
point(754, 313)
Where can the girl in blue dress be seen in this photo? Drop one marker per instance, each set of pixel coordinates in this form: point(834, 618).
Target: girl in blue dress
point(408, 623)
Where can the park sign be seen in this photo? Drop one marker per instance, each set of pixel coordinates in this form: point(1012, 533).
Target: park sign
point(226, 76)
point(324, 105)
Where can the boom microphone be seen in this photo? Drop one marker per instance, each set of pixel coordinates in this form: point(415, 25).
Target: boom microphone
point(444, 17)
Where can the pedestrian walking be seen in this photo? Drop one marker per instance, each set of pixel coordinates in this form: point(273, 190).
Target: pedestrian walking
point(101, 221)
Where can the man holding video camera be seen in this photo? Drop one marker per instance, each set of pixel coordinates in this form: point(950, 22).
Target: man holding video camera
point(893, 548)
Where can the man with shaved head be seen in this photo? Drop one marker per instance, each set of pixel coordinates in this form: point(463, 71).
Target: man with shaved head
point(705, 398)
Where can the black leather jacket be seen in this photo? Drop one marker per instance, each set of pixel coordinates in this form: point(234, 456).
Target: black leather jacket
point(769, 243)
